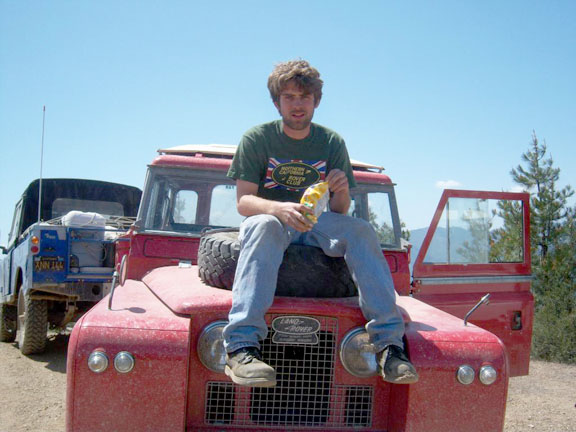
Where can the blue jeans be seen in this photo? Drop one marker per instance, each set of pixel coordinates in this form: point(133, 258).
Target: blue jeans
point(263, 240)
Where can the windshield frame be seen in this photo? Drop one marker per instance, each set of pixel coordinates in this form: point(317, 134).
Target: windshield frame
point(209, 179)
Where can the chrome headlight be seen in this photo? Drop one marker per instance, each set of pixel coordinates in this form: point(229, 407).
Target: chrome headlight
point(357, 354)
point(124, 362)
point(98, 361)
point(211, 347)
point(465, 374)
point(487, 375)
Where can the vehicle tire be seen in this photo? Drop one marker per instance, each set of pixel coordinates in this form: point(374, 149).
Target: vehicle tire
point(8, 318)
point(305, 271)
point(217, 258)
point(32, 324)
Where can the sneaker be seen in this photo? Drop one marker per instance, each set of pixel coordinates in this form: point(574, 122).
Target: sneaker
point(395, 367)
point(246, 368)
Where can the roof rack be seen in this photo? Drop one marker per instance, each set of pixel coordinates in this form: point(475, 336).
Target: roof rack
point(228, 150)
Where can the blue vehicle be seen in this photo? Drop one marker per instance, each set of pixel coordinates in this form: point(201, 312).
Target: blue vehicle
point(59, 260)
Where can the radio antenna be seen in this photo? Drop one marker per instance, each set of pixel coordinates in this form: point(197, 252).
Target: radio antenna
point(41, 163)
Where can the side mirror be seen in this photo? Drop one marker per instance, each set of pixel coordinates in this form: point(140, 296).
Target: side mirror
point(484, 300)
point(3, 250)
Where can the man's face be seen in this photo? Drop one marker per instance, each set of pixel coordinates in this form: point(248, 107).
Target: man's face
point(297, 109)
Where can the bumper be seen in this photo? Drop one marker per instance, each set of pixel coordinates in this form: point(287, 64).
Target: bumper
point(73, 291)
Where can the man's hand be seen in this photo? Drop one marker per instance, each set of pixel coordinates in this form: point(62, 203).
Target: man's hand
point(337, 181)
point(338, 184)
point(293, 215)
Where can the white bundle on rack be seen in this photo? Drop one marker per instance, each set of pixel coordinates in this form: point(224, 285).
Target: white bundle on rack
point(86, 244)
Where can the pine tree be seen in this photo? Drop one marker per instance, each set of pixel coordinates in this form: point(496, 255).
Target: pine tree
point(555, 289)
point(553, 238)
point(549, 205)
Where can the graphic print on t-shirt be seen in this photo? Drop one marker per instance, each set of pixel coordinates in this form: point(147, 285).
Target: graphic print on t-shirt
point(293, 174)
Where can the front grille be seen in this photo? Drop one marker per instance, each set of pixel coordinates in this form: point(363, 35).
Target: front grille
point(305, 395)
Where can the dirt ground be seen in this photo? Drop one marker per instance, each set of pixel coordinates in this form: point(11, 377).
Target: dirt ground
point(33, 393)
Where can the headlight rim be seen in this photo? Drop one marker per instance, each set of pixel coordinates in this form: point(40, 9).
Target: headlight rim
point(200, 348)
point(345, 341)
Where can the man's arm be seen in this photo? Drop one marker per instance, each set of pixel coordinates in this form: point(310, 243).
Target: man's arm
point(338, 183)
point(289, 213)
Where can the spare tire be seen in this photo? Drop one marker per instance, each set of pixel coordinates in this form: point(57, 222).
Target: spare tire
point(305, 271)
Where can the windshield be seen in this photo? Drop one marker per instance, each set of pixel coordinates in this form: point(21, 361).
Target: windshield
point(377, 207)
point(185, 205)
point(180, 202)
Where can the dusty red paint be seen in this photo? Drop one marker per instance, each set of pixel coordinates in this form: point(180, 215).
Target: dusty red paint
point(159, 310)
point(509, 296)
point(153, 395)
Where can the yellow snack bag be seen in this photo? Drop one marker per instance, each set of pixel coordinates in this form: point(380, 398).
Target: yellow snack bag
point(316, 198)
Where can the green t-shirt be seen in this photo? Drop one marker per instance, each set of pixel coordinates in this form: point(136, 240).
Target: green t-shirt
point(284, 167)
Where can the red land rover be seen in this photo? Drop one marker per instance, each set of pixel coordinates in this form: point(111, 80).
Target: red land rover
point(149, 356)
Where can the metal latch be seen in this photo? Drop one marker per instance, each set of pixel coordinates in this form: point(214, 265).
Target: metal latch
point(517, 320)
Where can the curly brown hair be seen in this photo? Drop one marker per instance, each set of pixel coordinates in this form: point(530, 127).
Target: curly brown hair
point(301, 73)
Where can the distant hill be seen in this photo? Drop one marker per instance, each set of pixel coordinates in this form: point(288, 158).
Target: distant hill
point(438, 249)
point(416, 239)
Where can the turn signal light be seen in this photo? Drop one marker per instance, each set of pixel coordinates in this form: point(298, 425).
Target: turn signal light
point(35, 241)
point(488, 375)
point(98, 361)
point(124, 362)
point(465, 374)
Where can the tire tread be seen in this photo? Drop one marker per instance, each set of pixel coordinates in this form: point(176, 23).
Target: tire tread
point(305, 272)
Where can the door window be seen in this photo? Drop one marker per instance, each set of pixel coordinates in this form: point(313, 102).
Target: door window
point(15, 224)
point(478, 231)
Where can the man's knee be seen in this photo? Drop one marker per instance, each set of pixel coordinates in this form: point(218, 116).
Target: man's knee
point(262, 225)
point(351, 225)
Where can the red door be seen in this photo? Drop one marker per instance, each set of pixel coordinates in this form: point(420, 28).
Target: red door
point(478, 244)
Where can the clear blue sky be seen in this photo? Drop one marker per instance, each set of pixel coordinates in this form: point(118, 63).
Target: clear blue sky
point(438, 92)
